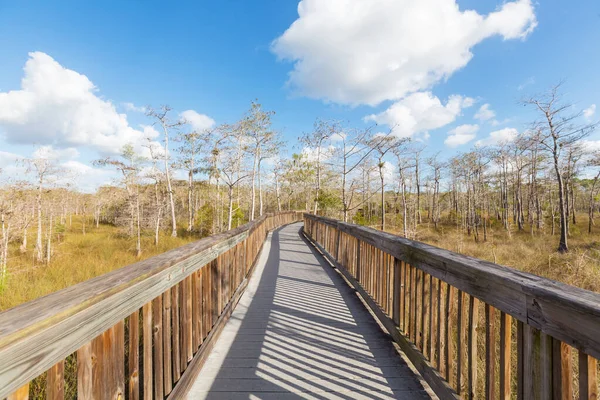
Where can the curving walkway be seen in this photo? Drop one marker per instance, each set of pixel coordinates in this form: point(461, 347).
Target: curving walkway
point(300, 332)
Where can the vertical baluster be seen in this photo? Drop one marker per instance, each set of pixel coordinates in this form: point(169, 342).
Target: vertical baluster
point(21, 393)
point(416, 288)
point(490, 352)
point(134, 356)
point(561, 370)
point(84, 372)
point(147, 335)
point(158, 347)
point(55, 381)
point(472, 346)
point(545, 365)
point(440, 328)
point(459, 344)
point(118, 361)
point(175, 321)
point(396, 292)
point(449, 349)
point(166, 327)
point(588, 381)
point(424, 281)
point(431, 334)
point(505, 355)
point(195, 291)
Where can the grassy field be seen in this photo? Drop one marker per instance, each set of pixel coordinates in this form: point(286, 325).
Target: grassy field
point(77, 257)
point(526, 252)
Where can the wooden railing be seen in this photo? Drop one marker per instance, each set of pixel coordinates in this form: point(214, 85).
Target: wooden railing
point(473, 329)
point(142, 331)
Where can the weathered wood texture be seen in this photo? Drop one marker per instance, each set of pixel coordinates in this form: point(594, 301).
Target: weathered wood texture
point(179, 309)
point(300, 332)
point(544, 319)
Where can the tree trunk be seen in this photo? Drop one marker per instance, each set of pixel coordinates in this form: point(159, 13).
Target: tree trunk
point(253, 186)
point(39, 251)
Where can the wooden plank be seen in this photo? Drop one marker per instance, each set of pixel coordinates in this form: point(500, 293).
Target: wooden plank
point(175, 321)
point(21, 393)
point(546, 366)
point(588, 380)
point(55, 382)
point(432, 311)
point(505, 351)
point(562, 371)
point(84, 372)
point(529, 372)
point(117, 367)
point(396, 292)
point(196, 312)
point(460, 328)
point(133, 362)
point(449, 346)
point(166, 337)
point(424, 342)
point(472, 347)
point(490, 352)
point(187, 323)
point(147, 336)
point(157, 310)
point(402, 296)
point(440, 327)
point(98, 364)
point(520, 364)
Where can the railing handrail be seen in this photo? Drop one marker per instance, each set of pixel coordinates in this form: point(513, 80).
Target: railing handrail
point(36, 335)
point(567, 313)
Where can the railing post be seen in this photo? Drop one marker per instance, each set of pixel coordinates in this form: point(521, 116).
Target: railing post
point(396, 292)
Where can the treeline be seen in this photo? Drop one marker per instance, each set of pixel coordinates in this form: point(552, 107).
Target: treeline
point(537, 181)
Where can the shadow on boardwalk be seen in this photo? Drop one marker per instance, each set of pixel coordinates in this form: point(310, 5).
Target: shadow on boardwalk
point(300, 331)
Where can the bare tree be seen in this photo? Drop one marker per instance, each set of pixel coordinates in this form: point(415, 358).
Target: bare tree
point(315, 141)
point(129, 166)
point(382, 145)
point(192, 145)
point(161, 117)
point(558, 129)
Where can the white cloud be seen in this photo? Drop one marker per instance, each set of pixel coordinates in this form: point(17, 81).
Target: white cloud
point(461, 135)
point(51, 153)
point(589, 112)
point(421, 112)
point(501, 136)
point(133, 107)
point(365, 52)
point(198, 122)
point(485, 113)
point(58, 106)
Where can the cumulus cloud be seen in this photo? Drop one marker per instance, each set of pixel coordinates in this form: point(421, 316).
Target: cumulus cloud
point(461, 135)
point(365, 52)
point(421, 112)
point(59, 106)
point(485, 113)
point(589, 112)
point(198, 122)
point(501, 136)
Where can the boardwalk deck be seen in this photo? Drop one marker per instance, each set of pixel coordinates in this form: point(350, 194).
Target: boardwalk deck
point(300, 331)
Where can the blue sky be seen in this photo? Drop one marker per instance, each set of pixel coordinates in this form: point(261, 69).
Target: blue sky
point(216, 57)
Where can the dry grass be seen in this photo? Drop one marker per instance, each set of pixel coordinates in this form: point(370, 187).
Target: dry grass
point(76, 258)
point(526, 252)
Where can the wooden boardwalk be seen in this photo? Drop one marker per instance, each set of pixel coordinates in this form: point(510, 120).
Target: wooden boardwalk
point(300, 331)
